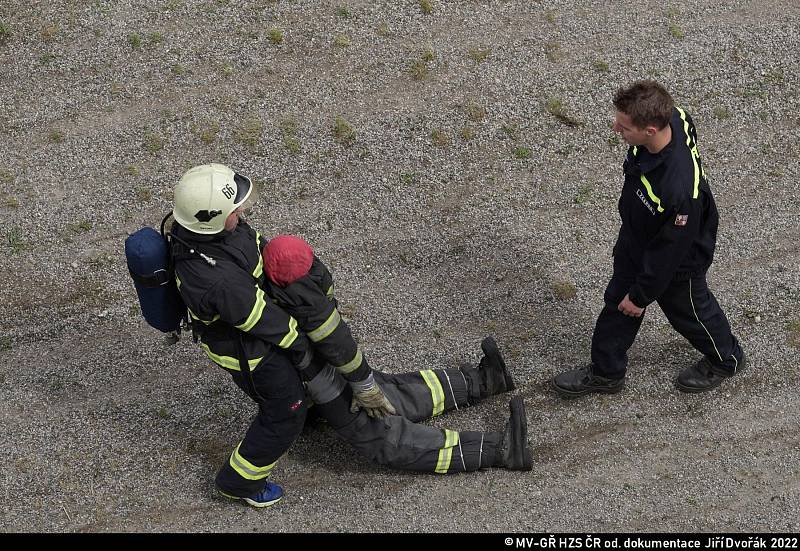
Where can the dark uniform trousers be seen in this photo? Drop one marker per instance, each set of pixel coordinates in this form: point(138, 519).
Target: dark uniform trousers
point(396, 441)
point(690, 308)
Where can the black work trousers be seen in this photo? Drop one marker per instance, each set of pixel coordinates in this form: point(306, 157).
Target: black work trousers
point(690, 308)
point(282, 410)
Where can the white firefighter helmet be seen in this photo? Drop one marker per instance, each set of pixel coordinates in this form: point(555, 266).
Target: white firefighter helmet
point(206, 195)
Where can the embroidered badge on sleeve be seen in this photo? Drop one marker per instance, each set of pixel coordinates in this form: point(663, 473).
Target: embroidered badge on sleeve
point(681, 219)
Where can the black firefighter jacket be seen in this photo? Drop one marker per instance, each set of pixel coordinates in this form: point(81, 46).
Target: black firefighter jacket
point(226, 301)
point(669, 217)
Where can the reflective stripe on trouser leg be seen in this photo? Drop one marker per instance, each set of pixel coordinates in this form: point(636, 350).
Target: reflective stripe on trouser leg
point(693, 311)
point(420, 395)
point(246, 469)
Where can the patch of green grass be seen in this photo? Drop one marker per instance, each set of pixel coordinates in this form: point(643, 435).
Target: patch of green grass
point(552, 51)
point(343, 131)
point(290, 140)
point(676, 31)
point(275, 35)
point(613, 140)
point(227, 70)
point(47, 58)
point(6, 176)
point(564, 290)
point(467, 133)
point(10, 202)
point(555, 106)
point(774, 78)
point(143, 194)
point(584, 194)
point(178, 70)
point(153, 143)
point(208, 132)
point(249, 132)
point(479, 55)
point(15, 240)
point(116, 89)
point(510, 129)
point(341, 41)
point(408, 177)
point(440, 138)
point(522, 152)
point(131, 170)
point(600, 66)
point(475, 112)
point(155, 38)
point(162, 413)
point(49, 32)
point(135, 41)
point(80, 227)
point(550, 16)
point(428, 54)
point(5, 33)
point(793, 333)
point(5, 343)
point(55, 136)
point(721, 113)
point(426, 6)
point(418, 69)
point(383, 29)
point(343, 12)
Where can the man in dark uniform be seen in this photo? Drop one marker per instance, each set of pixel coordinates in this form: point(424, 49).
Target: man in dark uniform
point(664, 249)
point(273, 358)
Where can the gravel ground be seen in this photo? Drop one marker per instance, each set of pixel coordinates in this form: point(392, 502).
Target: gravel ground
point(463, 206)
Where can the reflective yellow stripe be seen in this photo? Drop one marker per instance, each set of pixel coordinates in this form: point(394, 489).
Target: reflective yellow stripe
point(207, 322)
point(177, 280)
point(326, 328)
point(437, 393)
point(260, 266)
point(255, 313)
point(446, 453)
point(329, 292)
point(652, 195)
point(291, 335)
point(246, 469)
point(352, 365)
point(229, 362)
point(695, 154)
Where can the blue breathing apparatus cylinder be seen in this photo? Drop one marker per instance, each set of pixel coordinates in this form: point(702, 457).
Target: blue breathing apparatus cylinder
point(149, 263)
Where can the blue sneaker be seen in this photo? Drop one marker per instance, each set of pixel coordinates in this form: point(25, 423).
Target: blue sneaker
point(270, 495)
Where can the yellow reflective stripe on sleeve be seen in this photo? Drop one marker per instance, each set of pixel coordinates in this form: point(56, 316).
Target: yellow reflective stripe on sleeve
point(228, 362)
point(259, 269)
point(695, 154)
point(328, 326)
point(329, 292)
point(255, 313)
point(177, 280)
point(437, 393)
point(446, 453)
point(246, 469)
point(650, 193)
point(207, 322)
point(352, 365)
point(291, 335)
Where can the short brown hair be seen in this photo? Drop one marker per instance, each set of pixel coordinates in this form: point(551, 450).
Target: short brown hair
point(646, 102)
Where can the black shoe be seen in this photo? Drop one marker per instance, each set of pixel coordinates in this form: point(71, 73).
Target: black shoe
point(580, 381)
point(493, 372)
point(513, 452)
point(703, 376)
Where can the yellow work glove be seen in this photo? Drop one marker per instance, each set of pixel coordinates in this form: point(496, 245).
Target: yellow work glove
point(373, 401)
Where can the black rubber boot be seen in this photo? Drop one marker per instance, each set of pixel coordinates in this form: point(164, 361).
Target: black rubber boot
point(494, 375)
point(580, 381)
point(513, 452)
